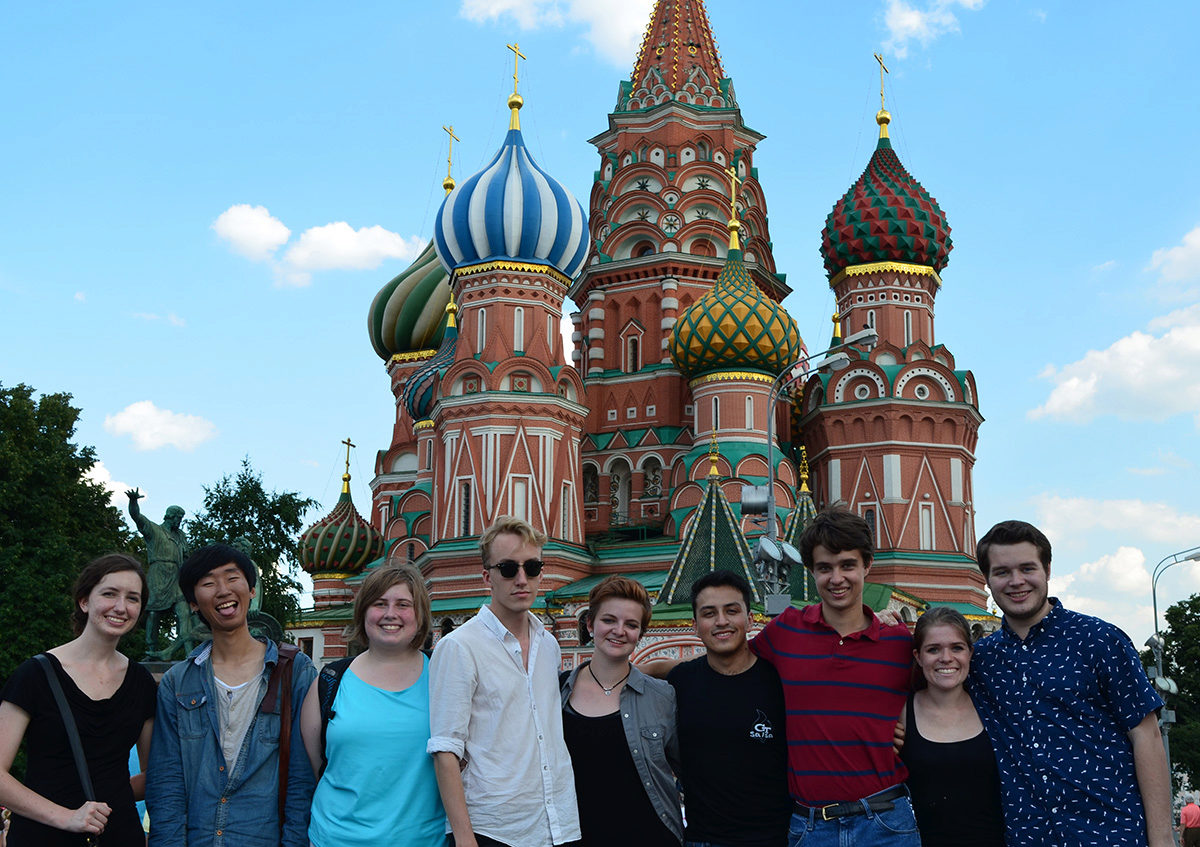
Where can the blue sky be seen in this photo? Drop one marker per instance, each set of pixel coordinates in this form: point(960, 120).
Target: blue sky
point(199, 202)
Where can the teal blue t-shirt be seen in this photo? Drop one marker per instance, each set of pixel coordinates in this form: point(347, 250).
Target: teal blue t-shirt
point(379, 786)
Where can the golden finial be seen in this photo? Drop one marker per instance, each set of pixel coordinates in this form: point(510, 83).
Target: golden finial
point(346, 475)
point(514, 100)
point(804, 489)
point(837, 327)
point(734, 223)
point(714, 453)
point(451, 311)
point(448, 182)
point(882, 117)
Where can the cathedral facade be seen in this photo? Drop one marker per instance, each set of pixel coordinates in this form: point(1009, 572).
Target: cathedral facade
point(633, 452)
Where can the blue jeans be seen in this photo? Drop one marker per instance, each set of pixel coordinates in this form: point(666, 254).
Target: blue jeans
point(896, 827)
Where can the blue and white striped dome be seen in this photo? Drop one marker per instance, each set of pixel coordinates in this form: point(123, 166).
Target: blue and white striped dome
point(512, 210)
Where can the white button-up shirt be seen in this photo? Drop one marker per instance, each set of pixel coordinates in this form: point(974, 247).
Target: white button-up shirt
point(507, 723)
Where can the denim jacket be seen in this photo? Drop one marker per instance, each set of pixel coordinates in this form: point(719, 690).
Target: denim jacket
point(648, 716)
point(191, 799)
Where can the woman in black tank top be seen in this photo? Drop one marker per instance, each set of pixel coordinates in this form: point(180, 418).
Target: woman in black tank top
point(952, 772)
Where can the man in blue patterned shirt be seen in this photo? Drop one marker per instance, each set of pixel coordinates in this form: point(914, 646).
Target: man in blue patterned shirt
point(1069, 709)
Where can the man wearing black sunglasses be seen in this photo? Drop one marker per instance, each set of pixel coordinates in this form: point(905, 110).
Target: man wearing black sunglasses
point(502, 766)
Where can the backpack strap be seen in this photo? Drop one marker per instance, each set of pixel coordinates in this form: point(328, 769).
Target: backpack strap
point(279, 689)
point(327, 687)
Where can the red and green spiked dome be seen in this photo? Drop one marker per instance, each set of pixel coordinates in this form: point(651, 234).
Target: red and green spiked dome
point(342, 541)
point(886, 216)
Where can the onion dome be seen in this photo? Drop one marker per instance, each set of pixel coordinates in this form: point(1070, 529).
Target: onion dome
point(409, 313)
point(418, 388)
point(885, 217)
point(512, 211)
point(734, 326)
point(341, 542)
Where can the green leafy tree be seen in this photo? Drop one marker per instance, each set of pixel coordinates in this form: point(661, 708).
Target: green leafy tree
point(1181, 662)
point(239, 505)
point(53, 520)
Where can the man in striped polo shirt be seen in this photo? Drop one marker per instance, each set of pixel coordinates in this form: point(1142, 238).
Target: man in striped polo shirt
point(845, 678)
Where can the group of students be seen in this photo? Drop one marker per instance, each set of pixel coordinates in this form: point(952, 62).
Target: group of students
point(832, 726)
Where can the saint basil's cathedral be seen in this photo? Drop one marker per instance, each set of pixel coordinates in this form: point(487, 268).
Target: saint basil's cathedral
point(632, 453)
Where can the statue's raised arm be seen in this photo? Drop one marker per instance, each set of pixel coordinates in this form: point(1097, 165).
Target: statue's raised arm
point(166, 546)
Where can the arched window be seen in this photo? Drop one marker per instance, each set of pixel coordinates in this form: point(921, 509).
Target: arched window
point(464, 503)
point(643, 248)
point(749, 411)
point(703, 247)
point(716, 413)
point(519, 330)
point(480, 329)
point(633, 360)
point(907, 328)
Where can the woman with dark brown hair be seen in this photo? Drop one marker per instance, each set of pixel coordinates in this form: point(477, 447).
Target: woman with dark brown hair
point(112, 702)
point(376, 784)
point(952, 771)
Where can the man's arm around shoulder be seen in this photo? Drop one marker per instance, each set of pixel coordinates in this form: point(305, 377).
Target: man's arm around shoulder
point(1154, 783)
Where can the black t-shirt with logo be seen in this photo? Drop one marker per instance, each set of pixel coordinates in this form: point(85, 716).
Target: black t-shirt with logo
point(733, 754)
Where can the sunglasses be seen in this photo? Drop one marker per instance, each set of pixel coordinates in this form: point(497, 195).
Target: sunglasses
point(508, 568)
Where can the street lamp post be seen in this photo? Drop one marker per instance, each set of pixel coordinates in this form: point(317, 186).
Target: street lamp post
point(1165, 684)
point(769, 553)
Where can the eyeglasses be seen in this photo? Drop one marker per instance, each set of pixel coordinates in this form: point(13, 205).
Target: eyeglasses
point(508, 567)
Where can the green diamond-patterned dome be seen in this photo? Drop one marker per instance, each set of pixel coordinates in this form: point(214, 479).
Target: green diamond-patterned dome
point(341, 542)
point(734, 327)
point(886, 216)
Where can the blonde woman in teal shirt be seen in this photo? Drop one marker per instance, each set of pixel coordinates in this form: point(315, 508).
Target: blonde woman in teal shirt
point(377, 784)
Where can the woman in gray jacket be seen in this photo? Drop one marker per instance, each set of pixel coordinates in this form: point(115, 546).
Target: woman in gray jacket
point(619, 725)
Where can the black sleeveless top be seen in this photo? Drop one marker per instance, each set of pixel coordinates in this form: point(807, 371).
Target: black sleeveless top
point(613, 806)
point(955, 789)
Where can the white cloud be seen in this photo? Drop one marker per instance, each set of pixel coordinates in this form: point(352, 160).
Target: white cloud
point(116, 489)
point(1068, 519)
point(613, 27)
point(254, 233)
point(1039, 15)
point(906, 22)
point(339, 245)
point(80, 297)
point(1179, 267)
point(251, 231)
point(1138, 377)
point(172, 318)
point(1168, 460)
point(1104, 266)
point(152, 428)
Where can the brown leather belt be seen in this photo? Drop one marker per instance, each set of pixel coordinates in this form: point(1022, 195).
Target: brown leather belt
point(881, 802)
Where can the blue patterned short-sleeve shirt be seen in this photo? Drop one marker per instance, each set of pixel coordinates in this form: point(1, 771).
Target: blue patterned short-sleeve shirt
point(1058, 707)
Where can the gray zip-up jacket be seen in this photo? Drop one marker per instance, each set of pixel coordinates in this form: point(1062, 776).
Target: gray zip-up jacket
point(648, 715)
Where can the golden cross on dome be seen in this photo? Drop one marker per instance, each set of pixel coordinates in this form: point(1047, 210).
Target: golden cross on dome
point(514, 100)
point(882, 70)
point(448, 183)
point(346, 475)
point(517, 56)
point(734, 225)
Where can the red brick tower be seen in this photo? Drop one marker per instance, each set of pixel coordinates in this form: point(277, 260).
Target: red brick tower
point(893, 436)
point(659, 208)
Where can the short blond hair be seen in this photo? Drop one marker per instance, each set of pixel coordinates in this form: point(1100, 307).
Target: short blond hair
point(513, 526)
point(376, 585)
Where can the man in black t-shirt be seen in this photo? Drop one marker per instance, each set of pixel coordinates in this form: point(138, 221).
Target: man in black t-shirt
point(730, 722)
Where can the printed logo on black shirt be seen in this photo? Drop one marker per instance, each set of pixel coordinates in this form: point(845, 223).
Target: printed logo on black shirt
point(762, 729)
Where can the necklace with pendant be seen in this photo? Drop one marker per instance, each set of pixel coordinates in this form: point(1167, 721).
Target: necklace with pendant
point(609, 690)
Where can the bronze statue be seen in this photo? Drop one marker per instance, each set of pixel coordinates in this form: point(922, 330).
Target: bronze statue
point(166, 548)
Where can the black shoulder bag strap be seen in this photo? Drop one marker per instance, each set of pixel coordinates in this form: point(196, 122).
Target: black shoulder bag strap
point(68, 719)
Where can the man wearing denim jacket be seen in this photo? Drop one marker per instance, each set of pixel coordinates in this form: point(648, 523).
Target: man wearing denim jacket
point(213, 778)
